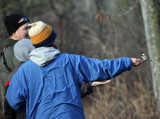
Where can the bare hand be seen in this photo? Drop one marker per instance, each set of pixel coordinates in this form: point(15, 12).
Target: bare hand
point(100, 83)
point(136, 62)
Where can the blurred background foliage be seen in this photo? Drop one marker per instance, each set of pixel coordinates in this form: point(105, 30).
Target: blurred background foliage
point(98, 29)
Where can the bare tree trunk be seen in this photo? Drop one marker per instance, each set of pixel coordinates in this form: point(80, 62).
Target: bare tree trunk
point(150, 12)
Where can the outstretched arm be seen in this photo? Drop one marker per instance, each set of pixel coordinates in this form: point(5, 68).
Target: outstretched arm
point(89, 69)
point(87, 87)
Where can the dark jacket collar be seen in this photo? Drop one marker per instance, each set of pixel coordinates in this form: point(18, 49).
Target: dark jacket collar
point(11, 42)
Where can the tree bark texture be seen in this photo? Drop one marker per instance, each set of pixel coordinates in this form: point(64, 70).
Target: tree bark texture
point(150, 12)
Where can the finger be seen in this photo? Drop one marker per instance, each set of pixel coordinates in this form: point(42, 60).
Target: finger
point(140, 60)
point(103, 83)
point(108, 81)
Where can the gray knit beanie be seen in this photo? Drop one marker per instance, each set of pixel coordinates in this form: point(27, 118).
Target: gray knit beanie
point(22, 49)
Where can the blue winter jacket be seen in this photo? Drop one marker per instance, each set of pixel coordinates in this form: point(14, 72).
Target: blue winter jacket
point(52, 91)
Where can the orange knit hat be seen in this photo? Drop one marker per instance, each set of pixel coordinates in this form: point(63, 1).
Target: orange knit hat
point(41, 34)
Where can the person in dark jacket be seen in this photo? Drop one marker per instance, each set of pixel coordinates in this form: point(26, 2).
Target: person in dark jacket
point(17, 28)
point(21, 50)
point(49, 82)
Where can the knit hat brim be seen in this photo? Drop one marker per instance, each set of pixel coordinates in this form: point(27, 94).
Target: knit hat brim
point(48, 41)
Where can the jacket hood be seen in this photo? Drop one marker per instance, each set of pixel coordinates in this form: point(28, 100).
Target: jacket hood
point(22, 49)
point(43, 55)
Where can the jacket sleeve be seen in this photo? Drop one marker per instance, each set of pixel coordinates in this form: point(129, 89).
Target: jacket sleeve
point(86, 89)
point(89, 69)
point(16, 91)
point(9, 112)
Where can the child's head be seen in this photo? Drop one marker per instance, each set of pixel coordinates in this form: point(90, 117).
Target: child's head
point(14, 21)
point(22, 49)
point(41, 34)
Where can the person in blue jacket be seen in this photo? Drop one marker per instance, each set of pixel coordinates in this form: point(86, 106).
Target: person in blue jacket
point(50, 82)
point(22, 50)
